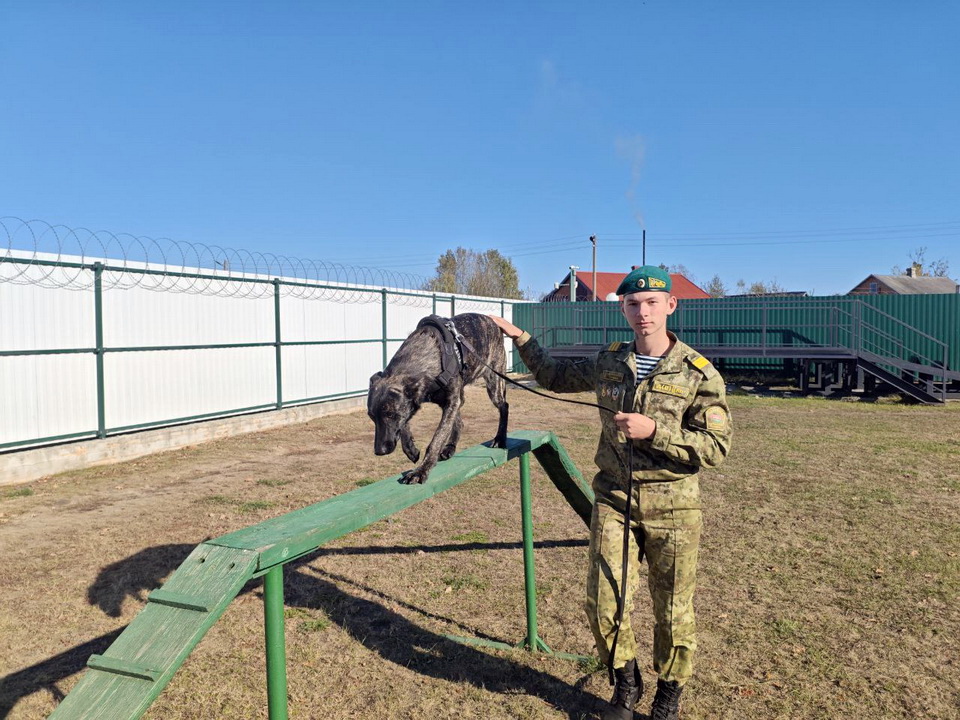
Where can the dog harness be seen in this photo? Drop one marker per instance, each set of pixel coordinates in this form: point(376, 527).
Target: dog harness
point(451, 356)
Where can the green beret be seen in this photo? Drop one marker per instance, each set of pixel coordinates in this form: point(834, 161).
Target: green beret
point(648, 278)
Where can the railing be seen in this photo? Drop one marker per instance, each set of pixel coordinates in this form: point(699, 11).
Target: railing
point(99, 348)
point(123, 682)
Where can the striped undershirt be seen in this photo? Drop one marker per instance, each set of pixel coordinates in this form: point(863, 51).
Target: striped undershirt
point(645, 365)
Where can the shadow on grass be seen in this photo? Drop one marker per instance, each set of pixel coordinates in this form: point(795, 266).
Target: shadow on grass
point(135, 576)
point(408, 645)
point(447, 547)
point(45, 675)
point(394, 637)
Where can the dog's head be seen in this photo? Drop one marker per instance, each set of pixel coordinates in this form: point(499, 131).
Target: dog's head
point(391, 402)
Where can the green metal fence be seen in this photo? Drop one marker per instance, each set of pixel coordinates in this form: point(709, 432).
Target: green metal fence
point(101, 427)
point(121, 683)
point(902, 326)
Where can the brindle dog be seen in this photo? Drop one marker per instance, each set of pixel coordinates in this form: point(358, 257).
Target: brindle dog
point(397, 393)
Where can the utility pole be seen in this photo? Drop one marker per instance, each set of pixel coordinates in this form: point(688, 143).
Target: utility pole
point(573, 282)
point(593, 239)
point(644, 247)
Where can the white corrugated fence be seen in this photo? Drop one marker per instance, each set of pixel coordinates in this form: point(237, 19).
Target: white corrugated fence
point(161, 354)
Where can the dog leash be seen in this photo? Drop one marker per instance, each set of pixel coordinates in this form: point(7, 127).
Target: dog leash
point(463, 341)
point(622, 595)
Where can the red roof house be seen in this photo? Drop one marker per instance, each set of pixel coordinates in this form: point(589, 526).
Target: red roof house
point(608, 282)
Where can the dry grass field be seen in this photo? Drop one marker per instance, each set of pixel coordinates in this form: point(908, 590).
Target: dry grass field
point(829, 576)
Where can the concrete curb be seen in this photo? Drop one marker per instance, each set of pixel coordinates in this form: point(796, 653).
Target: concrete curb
point(32, 464)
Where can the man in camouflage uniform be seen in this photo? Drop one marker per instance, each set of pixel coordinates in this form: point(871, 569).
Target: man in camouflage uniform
point(678, 422)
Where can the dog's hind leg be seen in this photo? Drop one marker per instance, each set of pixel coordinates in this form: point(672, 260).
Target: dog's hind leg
point(451, 447)
point(497, 392)
point(408, 444)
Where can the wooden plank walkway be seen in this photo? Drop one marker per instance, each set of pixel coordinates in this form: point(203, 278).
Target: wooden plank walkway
point(123, 682)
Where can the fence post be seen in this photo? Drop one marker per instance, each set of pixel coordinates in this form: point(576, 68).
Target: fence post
point(276, 643)
point(453, 305)
point(383, 323)
point(434, 305)
point(763, 328)
point(700, 326)
point(943, 376)
point(606, 322)
point(277, 341)
point(98, 322)
point(857, 327)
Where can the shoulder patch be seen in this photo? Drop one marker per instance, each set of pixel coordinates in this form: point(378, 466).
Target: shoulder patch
point(614, 346)
point(703, 365)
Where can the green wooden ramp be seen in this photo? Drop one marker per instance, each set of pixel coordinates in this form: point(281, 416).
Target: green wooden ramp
point(123, 682)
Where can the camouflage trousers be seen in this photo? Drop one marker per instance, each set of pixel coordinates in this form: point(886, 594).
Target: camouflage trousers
point(666, 531)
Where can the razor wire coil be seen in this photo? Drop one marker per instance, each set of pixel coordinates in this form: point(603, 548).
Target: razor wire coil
point(34, 252)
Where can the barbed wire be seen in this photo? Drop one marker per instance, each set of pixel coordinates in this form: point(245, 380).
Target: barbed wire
point(35, 252)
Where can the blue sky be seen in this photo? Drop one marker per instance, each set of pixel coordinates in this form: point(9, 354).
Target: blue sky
point(808, 143)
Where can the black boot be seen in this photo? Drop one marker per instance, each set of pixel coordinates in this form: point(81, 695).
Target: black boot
point(666, 703)
point(625, 695)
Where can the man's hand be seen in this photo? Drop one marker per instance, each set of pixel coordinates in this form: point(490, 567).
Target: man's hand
point(635, 426)
point(507, 327)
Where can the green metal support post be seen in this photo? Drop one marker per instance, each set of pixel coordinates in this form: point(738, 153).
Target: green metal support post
point(98, 320)
point(383, 320)
point(277, 341)
point(276, 643)
point(532, 641)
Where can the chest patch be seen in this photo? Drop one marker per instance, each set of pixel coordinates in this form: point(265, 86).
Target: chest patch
point(669, 389)
point(716, 418)
point(611, 376)
point(610, 392)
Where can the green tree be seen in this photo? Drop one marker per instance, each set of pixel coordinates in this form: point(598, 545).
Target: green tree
point(765, 288)
point(759, 287)
point(468, 272)
point(922, 268)
point(715, 288)
point(681, 269)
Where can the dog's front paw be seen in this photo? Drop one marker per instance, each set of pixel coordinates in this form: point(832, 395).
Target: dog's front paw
point(498, 442)
point(412, 453)
point(414, 477)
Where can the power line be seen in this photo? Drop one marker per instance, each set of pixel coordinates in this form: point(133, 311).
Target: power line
point(796, 233)
point(726, 243)
point(567, 243)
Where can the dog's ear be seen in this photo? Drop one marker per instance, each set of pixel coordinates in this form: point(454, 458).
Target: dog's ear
point(375, 377)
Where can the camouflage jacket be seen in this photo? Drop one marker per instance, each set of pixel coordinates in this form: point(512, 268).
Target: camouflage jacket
point(684, 394)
